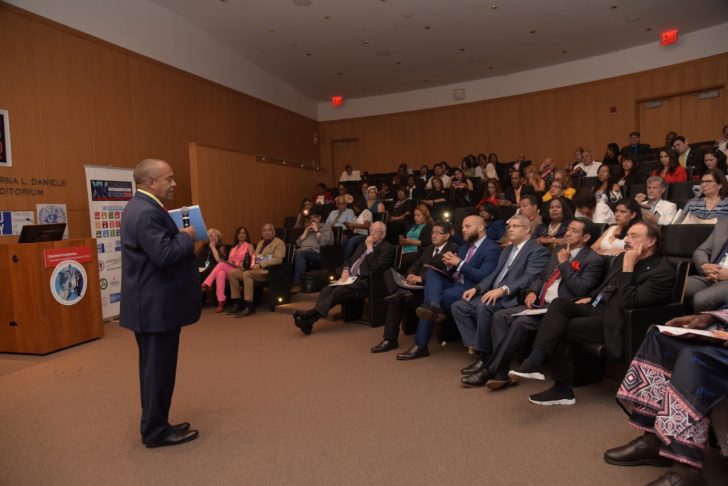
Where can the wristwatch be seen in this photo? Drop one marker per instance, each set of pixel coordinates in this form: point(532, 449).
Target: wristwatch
point(504, 288)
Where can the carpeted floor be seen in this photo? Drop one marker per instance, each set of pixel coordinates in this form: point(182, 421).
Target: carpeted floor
point(276, 407)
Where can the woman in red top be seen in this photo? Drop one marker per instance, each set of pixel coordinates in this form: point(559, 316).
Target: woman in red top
point(493, 193)
point(671, 170)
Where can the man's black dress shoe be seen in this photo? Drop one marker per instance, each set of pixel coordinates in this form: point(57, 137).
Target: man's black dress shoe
point(674, 479)
point(400, 295)
point(414, 352)
point(181, 428)
point(175, 438)
point(385, 345)
point(303, 323)
point(642, 451)
point(476, 379)
point(473, 367)
point(248, 311)
point(237, 307)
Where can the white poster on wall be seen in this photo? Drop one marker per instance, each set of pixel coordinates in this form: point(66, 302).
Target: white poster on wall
point(109, 189)
point(51, 214)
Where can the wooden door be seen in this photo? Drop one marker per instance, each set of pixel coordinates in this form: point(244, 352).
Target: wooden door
point(344, 152)
point(656, 118)
point(702, 115)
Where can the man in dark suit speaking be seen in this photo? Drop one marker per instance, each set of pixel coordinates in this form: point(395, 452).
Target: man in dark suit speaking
point(160, 294)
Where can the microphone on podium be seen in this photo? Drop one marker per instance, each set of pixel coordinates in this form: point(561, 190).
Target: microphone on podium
point(185, 217)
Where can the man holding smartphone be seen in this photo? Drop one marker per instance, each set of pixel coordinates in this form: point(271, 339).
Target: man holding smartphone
point(654, 208)
point(573, 271)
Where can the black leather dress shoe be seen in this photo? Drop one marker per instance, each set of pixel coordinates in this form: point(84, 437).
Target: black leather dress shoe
point(473, 367)
point(400, 295)
point(385, 345)
point(248, 311)
point(642, 451)
point(414, 352)
point(181, 428)
point(175, 438)
point(476, 379)
point(674, 479)
point(237, 307)
point(303, 323)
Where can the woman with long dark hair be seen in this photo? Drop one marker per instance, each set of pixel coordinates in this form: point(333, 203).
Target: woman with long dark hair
point(626, 213)
point(670, 169)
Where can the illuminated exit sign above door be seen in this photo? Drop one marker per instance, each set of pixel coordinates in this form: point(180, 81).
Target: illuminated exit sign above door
point(668, 37)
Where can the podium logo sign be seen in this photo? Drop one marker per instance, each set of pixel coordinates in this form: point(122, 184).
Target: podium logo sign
point(68, 282)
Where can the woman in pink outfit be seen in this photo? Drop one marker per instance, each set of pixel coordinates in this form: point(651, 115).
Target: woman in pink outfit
point(237, 259)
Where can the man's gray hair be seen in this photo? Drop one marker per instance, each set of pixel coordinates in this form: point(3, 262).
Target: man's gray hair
point(657, 179)
point(521, 219)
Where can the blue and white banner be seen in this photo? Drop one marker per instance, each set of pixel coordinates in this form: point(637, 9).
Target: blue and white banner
point(109, 189)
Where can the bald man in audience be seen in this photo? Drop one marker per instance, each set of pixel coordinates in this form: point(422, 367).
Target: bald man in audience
point(372, 255)
point(270, 251)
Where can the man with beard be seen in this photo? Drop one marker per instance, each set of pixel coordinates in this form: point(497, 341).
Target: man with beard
point(473, 261)
point(639, 277)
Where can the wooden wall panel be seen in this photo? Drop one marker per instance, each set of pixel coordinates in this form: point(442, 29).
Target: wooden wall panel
point(76, 100)
point(234, 189)
point(544, 124)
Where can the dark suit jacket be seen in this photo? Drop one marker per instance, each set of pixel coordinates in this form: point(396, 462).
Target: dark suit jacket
point(695, 158)
point(642, 149)
point(529, 262)
point(426, 258)
point(574, 283)
point(481, 264)
point(511, 194)
point(159, 286)
point(380, 259)
point(650, 284)
point(709, 251)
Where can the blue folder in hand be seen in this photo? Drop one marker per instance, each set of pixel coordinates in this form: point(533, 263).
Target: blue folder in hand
point(196, 221)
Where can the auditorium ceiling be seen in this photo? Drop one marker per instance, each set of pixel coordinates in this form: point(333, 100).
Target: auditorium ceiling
point(360, 48)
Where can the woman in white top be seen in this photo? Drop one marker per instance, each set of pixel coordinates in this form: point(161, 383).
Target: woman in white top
point(359, 228)
point(626, 213)
point(485, 170)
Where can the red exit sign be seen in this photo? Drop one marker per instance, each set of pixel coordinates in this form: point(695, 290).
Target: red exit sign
point(337, 101)
point(668, 37)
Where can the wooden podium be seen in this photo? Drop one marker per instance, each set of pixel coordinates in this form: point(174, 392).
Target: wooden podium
point(32, 319)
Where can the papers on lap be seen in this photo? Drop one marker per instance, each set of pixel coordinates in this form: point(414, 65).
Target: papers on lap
point(711, 334)
point(348, 281)
point(400, 281)
point(530, 312)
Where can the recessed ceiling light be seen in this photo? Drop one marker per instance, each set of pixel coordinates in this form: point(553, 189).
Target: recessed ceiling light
point(383, 52)
point(366, 43)
point(613, 7)
point(327, 17)
point(308, 54)
point(633, 18)
point(494, 7)
point(648, 29)
point(398, 63)
point(302, 3)
point(532, 32)
point(427, 27)
point(406, 14)
point(462, 49)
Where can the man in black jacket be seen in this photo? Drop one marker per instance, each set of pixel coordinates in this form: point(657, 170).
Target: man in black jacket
point(635, 148)
point(574, 270)
point(639, 277)
point(372, 255)
point(400, 299)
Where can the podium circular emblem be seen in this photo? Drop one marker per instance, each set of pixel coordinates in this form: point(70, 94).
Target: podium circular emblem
point(68, 282)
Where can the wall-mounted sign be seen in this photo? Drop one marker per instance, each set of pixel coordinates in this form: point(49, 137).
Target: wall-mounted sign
point(11, 222)
point(6, 159)
point(51, 214)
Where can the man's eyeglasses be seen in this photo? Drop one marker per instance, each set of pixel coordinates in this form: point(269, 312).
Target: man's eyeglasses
point(707, 181)
point(516, 226)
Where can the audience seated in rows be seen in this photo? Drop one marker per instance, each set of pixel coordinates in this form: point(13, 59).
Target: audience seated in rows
point(639, 277)
point(240, 257)
point(373, 254)
point(517, 266)
point(573, 271)
point(472, 262)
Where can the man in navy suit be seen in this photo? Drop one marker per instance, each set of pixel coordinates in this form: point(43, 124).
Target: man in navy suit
point(517, 266)
point(473, 261)
point(160, 294)
point(573, 271)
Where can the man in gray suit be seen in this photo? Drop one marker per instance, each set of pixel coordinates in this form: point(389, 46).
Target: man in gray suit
point(709, 290)
point(517, 266)
point(573, 271)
